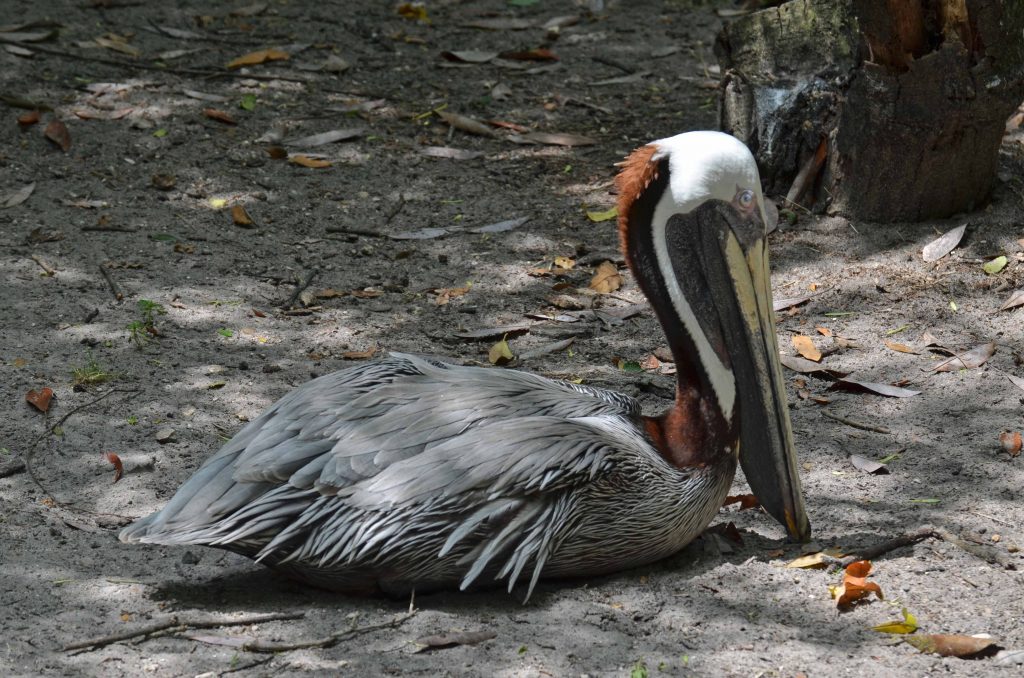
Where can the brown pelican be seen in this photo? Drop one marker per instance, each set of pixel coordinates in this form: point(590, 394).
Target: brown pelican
point(410, 473)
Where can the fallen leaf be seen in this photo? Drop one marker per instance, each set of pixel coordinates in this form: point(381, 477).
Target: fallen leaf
point(366, 294)
point(1011, 442)
point(603, 215)
point(329, 293)
point(539, 54)
point(804, 366)
point(469, 56)
point(453, 639)
point(564, 262)
point(360, 355)
point(552, 139)
point(307, 161)
point(1016, 299)
point(995, 265)
point(466, 124)
point(414, 11)
point(40, 399)
point(446, 294)
point(951, 645)
point(250, 10)
point(944, 244)
point(17, 197)
point(324, 138)
point(855, 585)
point(57, 132)
point(258, 57)
point(1016, 381)
point(450, 153)
point(219, 116)
point(908, 625)
point(501, 226)
point(118, 466)
point(805, 347)
point(746, 501)
point(490, 332)
point(815, 560)
point(887, 390)
point(606, 279)
point(868, 465)
point(500, 353)
point(422, 234)
point(504, 124)
point(240, 216)
point(783, 304)
point(28, 119)
point(552, 347)
point(902, 348)
point(974, 358)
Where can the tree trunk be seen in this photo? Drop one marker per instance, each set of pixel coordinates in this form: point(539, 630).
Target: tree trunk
point(882, 110)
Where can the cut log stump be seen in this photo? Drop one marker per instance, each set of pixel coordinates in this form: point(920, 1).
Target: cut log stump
point(880, 110)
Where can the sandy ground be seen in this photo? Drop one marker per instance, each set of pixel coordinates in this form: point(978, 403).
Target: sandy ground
point(145, 190)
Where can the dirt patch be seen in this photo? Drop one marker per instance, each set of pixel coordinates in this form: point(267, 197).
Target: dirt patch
point(146, 189)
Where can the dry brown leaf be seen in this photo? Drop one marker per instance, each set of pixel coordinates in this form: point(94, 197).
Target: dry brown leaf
point(57, 132)
point(366, 294)
point(1016, 299)
point(552, 139)
point(949, 645)
point(855, 585)
point(360, 355)
point(902, 348)
point(815, 560)
point(240, 216)
point(944, 244)
point(746, 501)
point(1011, 442)
point(306, 161)
point(868, 465)
point(976, 357)
point(804, 366)
point(606, 279)
point(783, 304)
point(28, 119)
point(446, 294)
point(539, 54)
point(40, 399)
point(466, 124)
point(116, 461)
point(824, 331)
point(219, 116)
point(887, 390)
point(330, 293)
point(258, 57)
point(805, 347)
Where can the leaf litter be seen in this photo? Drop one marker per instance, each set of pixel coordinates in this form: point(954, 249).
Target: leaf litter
point(855, 585)
point(944, 244)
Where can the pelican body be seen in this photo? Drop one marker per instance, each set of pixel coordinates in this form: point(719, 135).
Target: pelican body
point(412, 474)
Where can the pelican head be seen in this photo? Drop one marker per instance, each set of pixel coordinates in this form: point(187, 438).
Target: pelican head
point(692, 223)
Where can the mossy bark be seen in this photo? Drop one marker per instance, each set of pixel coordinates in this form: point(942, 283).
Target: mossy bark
point(909, 96)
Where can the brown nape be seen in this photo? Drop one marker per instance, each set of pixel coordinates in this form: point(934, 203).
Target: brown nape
point(637, 173)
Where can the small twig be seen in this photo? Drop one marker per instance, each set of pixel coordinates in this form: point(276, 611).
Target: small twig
point(807, 175)
point(178, 624)
point(329, 641)
point(872, 552)
point(251, 665)
point(43, 265)
point(855, 424)
point(137, 66)
point(114, 287)
point(395, 210)
point(49, 431)
point(355, 231)
point(987, 553)
point(983, 551)
point(108, 228)
point(299, 288)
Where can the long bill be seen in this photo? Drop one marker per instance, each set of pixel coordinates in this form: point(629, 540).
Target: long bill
point(767, 452)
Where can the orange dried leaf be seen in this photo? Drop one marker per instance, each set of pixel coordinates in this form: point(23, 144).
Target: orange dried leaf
point(360, 355)
point(746, 501)
point(1011, 442)
point(902, 348)
point(952, 645)
point(306, 161)
point(259, 57)
point(57, 132)
point(855, 585)
point(40, 399)
point(806, 347)
point(824, 331)
point(365, 294)
point(606, 279)
point(118, 466)
point(240, 216)
point(28, 119)
point(219, 116)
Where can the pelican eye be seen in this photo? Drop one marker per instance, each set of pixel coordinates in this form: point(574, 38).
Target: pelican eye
point(745, 200)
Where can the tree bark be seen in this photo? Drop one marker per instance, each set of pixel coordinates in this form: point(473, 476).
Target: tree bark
point(887, 110)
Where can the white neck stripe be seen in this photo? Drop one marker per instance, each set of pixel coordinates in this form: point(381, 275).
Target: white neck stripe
point(721, 377)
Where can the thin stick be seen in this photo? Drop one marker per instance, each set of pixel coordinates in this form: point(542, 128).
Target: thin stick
point(354, 231)
point(114, 287)
point(872, 552)
point(329, 641)
point(109, 229)
point(176, 623)
point(299, 289)
point(395, 210)
point(43, 265)
point(808, 173)
point(855, 424)
point(983, 551)
point(163, 69)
